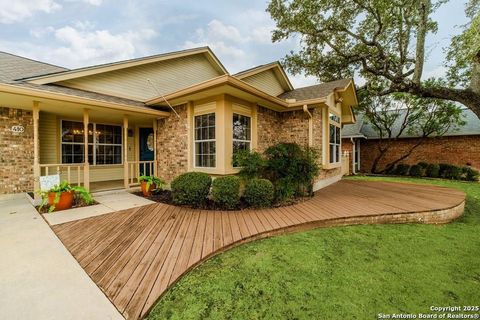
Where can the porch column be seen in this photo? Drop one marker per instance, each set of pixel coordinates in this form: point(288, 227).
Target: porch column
point(154, 146)
point(36, 150)
point(125, 152)
point(86, 168)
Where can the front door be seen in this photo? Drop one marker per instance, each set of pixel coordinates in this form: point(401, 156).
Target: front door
point(147, 150)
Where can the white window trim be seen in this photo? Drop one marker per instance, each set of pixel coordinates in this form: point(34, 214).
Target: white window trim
point(239, 140)
point(208, 140)
point(339, 145)
point(93, 143)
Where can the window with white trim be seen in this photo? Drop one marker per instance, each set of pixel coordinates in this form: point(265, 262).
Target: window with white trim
point(104, 143)
point(205, 148)
point(334, 138)
point(242, 134)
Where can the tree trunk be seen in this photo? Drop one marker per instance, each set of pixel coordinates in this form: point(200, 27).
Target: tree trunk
point(424, 8)
point(376, 161)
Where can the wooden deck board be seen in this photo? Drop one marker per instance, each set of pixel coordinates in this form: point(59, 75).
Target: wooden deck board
point(135, 255)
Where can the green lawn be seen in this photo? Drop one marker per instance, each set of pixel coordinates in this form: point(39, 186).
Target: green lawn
point(350, 272)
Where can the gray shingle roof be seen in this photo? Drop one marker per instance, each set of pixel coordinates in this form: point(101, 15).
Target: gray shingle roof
point(315, 91)
point(13, 67)
point(364, 129)
point(81, 94)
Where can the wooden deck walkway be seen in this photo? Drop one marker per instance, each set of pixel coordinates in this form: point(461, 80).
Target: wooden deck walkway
point(135, 255)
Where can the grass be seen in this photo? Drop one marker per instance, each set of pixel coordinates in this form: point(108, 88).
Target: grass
point(353, 272)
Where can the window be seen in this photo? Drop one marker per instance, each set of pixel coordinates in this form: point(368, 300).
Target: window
point(241, 134)
point(334, 138)
point(104, 143)
point(205, 140)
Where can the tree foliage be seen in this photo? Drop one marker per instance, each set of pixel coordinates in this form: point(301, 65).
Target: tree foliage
point(398, 115)
point(382, 42)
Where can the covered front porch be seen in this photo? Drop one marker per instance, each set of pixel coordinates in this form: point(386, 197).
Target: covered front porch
point(95, 144)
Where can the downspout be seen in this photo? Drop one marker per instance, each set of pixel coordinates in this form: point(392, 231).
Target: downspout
point(353, 155)
point(310, 125)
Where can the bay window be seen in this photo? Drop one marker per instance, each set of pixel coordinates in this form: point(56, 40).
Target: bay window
point(104, 143)
point(205, 148)
point(241, 134)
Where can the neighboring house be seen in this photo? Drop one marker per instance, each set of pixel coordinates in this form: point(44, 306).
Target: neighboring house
point(166, 114)
point(459, 146)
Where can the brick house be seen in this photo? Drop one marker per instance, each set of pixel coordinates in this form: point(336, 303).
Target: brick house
point(102, 126)
point(458, 146)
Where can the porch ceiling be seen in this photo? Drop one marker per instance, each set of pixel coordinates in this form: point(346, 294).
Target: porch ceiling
point(75, 110)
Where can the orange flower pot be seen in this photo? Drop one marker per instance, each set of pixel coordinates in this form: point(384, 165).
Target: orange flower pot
point(65, 201)
point(147, 193)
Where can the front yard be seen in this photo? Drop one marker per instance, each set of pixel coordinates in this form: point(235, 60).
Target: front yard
point(353, 272)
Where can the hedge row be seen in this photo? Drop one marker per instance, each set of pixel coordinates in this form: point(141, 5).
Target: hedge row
point(194, 189)
point(442, 170)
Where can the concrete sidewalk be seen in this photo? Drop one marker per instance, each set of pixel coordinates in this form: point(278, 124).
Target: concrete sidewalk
point(39, 279)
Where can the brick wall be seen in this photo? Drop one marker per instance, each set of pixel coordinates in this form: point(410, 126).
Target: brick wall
point(347, 146)
point(268, 127)
point(16, 151)
point(172, 142)
point(461, 151)
point(292, 126)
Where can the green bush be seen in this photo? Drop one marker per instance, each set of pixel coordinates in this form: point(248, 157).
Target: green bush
point(285, 189)
point(252, 164)
point(423, 165)
point(259, 193)
point(226, 191)
point(290, 166)
point(191, 188)
point(442, 167)
point(470, 174)
point(452, 172)
point(416, 171)
point(402, 169)
point(432, 170)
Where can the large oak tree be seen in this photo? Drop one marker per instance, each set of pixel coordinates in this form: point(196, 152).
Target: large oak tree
point(381, 41)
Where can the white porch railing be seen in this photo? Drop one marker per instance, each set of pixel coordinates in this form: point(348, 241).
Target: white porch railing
point(73, 173)
point(134, 169)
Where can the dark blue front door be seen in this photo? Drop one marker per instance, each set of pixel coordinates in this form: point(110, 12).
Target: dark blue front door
point(146, 150)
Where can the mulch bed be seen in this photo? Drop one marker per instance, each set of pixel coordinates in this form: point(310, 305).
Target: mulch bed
point(165, 196)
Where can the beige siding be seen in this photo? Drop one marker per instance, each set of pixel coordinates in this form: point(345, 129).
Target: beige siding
point(265, 81)
point(49, 133)
point(168, 76)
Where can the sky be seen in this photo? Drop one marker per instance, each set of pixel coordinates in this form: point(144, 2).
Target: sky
point(78, 33)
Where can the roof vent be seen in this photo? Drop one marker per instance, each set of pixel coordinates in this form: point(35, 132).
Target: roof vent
point(291, 100)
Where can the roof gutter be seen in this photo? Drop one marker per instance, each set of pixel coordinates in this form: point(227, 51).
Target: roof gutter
point(8, 88)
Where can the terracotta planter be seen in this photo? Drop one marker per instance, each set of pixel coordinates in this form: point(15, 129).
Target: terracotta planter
point(65, 201)
point(147, 193)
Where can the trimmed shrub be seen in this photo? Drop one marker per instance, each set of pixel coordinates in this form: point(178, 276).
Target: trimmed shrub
point(452, 172)
point(432, 170)
point(416, 171)
point(191, 188)
point(259, 193)
point(390, 170)
point(470, 174)
point(423, 164)
point(226, 191)
point(442, 167)
point(402, 169)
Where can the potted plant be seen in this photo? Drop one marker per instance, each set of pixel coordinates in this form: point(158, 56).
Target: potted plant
point(150, 183)
point(61, 197)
